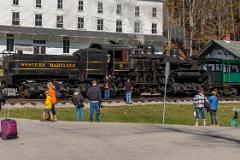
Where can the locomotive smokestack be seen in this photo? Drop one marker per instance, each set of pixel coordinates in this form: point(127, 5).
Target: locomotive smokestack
point(174, 53)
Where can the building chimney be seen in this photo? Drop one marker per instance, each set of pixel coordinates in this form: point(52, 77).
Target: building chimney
point(227, 38)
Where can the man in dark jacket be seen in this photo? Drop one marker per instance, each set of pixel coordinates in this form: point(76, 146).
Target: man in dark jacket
point(128, 90)
point(78, 100)
point(94, 96)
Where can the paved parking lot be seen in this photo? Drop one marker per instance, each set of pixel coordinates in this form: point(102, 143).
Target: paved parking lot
point(117, 141)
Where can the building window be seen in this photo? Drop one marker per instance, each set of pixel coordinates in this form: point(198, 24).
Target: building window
point(99, 24)
point(38, 3)
point(154, 28)
point(118, 26)
point(10, 42)
point(80, 5)
point(15, 18)
point(60, 4)
point(137, 27)
point(66, 44)
point(38, 20)
point(119, 9)
point(15, 2)
point(100, 7)
point(39, 47)
point(80, 23)
point(154, 12)
point(59, 21)
point(137, 11)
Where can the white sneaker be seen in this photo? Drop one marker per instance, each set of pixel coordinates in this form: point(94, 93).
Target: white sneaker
point(196, 125)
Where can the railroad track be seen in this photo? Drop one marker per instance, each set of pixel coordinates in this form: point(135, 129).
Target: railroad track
point(116, 101)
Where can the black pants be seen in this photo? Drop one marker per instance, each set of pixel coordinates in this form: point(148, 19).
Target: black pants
point(53, 109)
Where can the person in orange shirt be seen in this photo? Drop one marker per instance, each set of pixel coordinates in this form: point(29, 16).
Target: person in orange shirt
point(52, 93)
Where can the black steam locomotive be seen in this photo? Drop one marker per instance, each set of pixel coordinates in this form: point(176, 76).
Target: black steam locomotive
point(27, 74)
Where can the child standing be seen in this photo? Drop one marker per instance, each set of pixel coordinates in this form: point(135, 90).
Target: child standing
point(213, 102)
point(78, 100)
point(48, 106)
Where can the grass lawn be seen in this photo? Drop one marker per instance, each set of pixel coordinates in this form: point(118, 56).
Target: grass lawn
point(175, 114)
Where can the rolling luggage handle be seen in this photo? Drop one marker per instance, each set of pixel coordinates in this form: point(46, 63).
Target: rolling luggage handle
point(4, 111)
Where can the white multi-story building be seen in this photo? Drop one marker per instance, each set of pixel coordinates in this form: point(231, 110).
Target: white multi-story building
point(63, 26)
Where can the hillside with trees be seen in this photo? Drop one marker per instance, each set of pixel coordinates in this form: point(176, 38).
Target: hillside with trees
point(191, 24)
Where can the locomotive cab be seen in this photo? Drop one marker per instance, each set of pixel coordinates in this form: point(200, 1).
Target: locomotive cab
point(118, 60)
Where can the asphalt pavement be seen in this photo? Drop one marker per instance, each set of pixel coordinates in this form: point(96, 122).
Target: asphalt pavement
point(119, 141)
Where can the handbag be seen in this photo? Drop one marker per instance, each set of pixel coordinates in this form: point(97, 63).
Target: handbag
point(206, 105)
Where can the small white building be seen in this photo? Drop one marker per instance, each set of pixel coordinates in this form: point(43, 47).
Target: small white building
point(63, 26)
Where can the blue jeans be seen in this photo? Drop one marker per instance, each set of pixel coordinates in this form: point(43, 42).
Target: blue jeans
point(107, 93)
point(129, 97)
point(79, 111)
point(214, 117)
point(200, 110)
point(94, 106)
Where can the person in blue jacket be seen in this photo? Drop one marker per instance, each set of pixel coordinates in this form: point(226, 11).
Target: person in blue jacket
point(213, 102)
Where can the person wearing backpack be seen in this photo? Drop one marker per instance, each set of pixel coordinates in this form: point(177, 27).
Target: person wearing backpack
point(198, 102)
point(213, 102)
point(77, 100)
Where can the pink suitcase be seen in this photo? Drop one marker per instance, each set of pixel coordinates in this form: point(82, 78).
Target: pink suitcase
point(8, 128)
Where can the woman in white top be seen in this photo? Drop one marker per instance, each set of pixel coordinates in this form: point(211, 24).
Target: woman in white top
point(198, 101)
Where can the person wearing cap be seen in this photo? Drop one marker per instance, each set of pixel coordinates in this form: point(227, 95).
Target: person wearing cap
point(94, 96)
point(78, 100)
point(213, 102)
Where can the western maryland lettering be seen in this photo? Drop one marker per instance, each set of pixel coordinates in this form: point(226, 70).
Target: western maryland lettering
point(47, 65)
point(62, 65)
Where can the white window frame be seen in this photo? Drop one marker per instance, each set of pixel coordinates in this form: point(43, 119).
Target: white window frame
point(99, 24)
point(137, 11)
point(59, 4)
point(59, 21)
point(119, 9)
point(66, 44)
point(80, 24)
point(118, 25)
point(15, 18)
point(80, 5)
point(137, 27)
point(39, 46)
point(100, 7)
point(154, 28)
point(154, 12)
point(38, 21)
point(38, 4)
point(16, 2)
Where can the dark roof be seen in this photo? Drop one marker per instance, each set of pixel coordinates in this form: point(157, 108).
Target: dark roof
point(233, 47)
point(79, 33)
